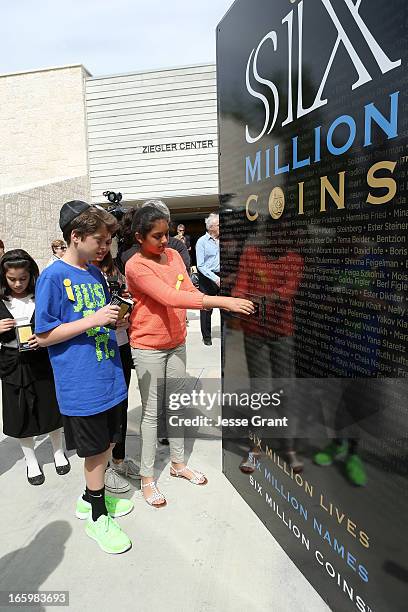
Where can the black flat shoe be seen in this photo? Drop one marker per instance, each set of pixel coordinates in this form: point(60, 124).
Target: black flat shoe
point(207, 341)
point(63, 469)
point(164, 441)
point(36, 480)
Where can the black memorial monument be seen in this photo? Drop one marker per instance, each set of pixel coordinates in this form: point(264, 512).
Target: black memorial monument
point(312, 102)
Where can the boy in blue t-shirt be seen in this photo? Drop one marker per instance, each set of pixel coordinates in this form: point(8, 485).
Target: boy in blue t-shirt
point(72, 312)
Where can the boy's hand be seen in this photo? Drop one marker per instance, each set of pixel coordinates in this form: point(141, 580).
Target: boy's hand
point(108, 315)
point(6, 325)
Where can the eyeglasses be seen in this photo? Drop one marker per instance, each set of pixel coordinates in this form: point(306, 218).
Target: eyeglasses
point(61, 248)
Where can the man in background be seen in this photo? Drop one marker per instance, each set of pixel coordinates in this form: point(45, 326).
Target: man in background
point(208, 265)
point(181, 235)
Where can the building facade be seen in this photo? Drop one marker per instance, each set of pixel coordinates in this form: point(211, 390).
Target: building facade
point(70, 135)
point(44, 156)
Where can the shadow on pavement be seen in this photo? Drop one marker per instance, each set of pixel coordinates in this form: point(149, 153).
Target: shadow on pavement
point(27, 568)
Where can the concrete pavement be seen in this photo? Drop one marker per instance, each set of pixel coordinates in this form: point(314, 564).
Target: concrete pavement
point(205, 552)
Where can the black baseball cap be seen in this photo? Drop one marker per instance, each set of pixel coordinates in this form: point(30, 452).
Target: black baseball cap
point(71, 210)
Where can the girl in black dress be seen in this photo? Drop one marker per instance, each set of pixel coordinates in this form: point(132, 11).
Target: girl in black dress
point(29, 403)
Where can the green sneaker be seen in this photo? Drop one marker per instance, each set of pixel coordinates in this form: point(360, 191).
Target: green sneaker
point(355, 471)
point(114, 505)
point(331, 452)
point(108, 534)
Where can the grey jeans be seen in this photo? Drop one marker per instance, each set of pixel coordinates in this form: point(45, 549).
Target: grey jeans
point(160, 373)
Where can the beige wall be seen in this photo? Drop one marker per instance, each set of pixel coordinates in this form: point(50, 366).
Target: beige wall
point(52, 120)
point(43, 155)
point(43, 131)
point(29, 219)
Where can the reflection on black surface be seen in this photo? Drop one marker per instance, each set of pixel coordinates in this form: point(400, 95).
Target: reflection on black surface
point(269, 337)
point(320, 517)
point(328, 263)
point(399, 572)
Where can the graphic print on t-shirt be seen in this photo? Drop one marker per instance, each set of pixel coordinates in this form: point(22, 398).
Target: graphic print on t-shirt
point(87, 298)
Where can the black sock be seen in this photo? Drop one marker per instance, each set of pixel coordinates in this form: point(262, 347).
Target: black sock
point(97, 500)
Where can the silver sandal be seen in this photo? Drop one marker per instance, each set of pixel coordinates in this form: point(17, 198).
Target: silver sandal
point(156, 496)
point(248, 464)
point(198, 478)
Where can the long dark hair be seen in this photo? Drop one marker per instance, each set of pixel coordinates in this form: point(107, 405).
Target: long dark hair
point(126, 240)
point(107, 265)
point(17, 258)
point(125, 235)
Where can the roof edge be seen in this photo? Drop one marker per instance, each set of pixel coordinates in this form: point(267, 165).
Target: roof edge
point(147, 71)
point(48, 69)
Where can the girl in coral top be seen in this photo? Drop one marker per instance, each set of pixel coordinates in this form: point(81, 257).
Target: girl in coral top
point(162, 290)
